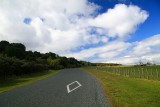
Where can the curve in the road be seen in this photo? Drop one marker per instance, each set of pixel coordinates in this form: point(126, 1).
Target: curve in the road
point(84, 91)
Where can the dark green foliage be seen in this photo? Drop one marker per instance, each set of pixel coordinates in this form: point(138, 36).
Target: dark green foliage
point(19, 46)
point(30, 56)
point(12, 50)
point(10, 66)
point(3, 45)
point(15, 60)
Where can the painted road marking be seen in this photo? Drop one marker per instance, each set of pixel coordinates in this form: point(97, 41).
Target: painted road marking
point(70, 90)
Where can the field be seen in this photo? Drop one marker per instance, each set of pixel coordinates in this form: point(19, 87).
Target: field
point(15, 82)
point(128, 92)
point(143, 72)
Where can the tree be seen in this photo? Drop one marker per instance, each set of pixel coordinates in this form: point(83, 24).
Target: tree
point(37, 54)
point(15, 60)
point(19, 46)
point(29, 56)
point(64, 62)
point(50, 54)
point(3, 45)
point(13, 51)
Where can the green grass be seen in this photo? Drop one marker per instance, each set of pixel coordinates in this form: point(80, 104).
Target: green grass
point(128, 92)
point(15, 82)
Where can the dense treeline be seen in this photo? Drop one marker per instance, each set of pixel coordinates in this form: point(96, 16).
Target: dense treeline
point(105, 64)
point(15, 60)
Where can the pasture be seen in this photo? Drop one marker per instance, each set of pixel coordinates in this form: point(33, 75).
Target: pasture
point(143, 72)
point(126, 89)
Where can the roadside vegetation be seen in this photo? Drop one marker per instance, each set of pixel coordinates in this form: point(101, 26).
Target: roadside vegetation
point(19, 67)
point(15, 82)
point(16, 61)
point(128, 92)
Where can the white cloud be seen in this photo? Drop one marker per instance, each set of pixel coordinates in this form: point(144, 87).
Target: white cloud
point(71, 24)
point(150, 45)
point(107, 51)
point(62, 28)
point(124, 52)
point(120, 21)
point(147, 50)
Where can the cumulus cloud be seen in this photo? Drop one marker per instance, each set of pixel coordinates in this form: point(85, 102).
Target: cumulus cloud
point(120, 21)
point(64, 25)
point(55, 25)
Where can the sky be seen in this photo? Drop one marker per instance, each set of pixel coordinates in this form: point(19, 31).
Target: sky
point(107, 31)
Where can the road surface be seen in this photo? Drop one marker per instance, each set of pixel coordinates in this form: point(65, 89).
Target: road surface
point(69, 88)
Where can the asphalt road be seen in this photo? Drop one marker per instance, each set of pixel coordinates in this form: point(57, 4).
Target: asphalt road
point(83, 91)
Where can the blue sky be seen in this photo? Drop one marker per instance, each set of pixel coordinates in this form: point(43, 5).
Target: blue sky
point(152, 24)
point(117, 31)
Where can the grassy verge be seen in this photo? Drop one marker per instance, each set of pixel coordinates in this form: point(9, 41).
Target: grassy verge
point(15, 82)
point(128, 92)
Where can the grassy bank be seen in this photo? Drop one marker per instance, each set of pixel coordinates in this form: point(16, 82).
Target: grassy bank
point(15, 82)
point(128, 92)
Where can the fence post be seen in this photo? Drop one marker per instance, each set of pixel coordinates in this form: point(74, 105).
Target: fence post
point(157, 75)
point(151, 74)
point(134, 73)
point(121, 72)
point(126, 72)
point(139, 73)
point(142, 73)
point(147, 74)
point(118, 71)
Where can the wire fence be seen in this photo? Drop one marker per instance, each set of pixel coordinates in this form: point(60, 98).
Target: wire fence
point(144, 73)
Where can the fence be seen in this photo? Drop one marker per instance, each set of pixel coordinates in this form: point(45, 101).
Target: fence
point(144, 73)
